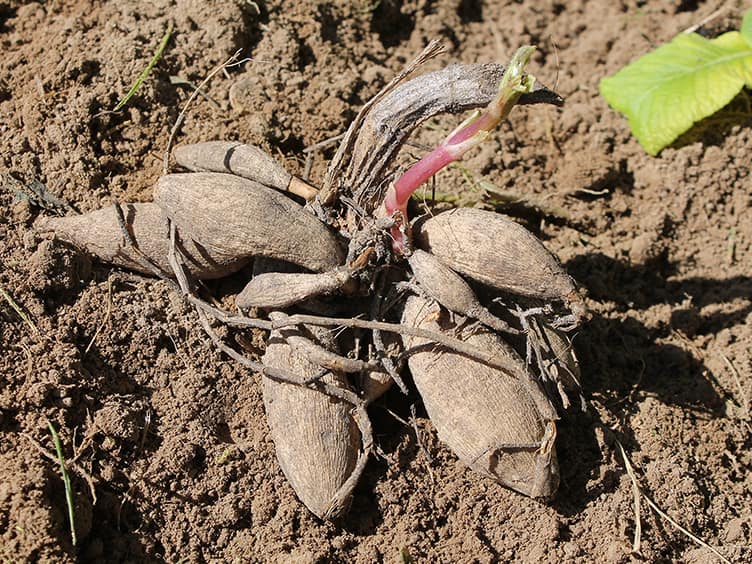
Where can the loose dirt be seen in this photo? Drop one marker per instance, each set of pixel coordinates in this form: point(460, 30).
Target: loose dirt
point(171, 437)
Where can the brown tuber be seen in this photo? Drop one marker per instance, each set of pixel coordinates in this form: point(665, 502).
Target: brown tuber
point(449, 289)
point(315, 435)
point(497, 251)
point(282, 289)
point(243, 160)
point(101, 234)
point(499, 423)
point(494, 413)
point(232, 218)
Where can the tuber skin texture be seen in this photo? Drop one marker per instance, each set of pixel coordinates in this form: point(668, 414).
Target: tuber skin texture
point(500, 423)
point(99, 233)
point(449, 289)
point(234, 218)
point(242, 160)
point(281, 290)
point(497, 251)
point(315, 436)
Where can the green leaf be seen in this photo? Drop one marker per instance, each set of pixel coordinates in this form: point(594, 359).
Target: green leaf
point(145, 73)
point(666, 91)
point(746, 29)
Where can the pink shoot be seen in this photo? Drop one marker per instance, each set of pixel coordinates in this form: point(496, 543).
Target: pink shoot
point(471, 132)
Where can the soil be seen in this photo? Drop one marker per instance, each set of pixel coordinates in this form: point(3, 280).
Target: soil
point(173, 459)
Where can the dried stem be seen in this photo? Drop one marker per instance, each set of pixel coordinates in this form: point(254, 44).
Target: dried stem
point(330, 189)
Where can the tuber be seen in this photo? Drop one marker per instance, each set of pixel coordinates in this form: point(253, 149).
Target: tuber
point(497, 251)
point(315, 435)
point(499, 423)
point(243, 160)
point(233, 218)
point(449, 289)
point(100, 233)
point(282, 289)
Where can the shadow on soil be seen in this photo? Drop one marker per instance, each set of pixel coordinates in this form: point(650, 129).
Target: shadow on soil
point(622, 359)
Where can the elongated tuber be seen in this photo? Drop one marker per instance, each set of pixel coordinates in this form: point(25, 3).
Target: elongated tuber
point(497, 251)
point(233, 218)
point(282, 289)
point(315, 435)
point(100, 233)
point(243, 160)
point(448, 288)
point(499, 423)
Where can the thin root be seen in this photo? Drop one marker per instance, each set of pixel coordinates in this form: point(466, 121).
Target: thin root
point(637, 490)
point(378, 343)
point(232, 61)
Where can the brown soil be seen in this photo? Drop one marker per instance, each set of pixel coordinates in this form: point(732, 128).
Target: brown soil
point(172, 435)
